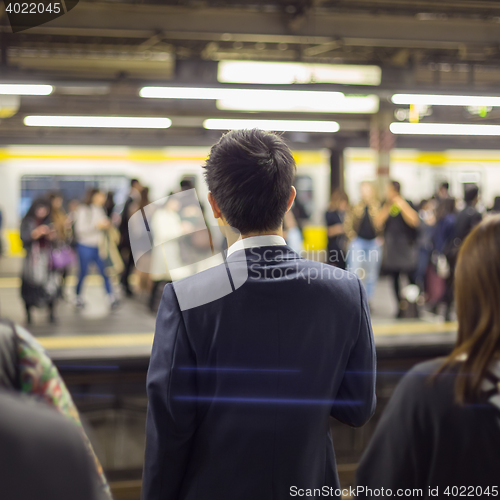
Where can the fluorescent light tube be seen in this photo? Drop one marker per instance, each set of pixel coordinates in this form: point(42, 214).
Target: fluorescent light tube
point(97, 121)
point(241, 94)
point(260, 72)
point(272, 125)
point(445, 100)
point(444, 129)
point(309, 101)
point(24, 89)
point(320, 103)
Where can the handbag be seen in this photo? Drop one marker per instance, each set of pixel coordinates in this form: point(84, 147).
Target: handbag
point(442, 267)
point(62, 257)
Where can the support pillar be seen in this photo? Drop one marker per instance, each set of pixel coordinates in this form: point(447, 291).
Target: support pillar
point(382, 141)
point(336, 168)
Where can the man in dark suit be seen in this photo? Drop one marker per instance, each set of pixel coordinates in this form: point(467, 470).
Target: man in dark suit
point(469, 217)
point(252, 357)
point(133, 198)
point(42, 455)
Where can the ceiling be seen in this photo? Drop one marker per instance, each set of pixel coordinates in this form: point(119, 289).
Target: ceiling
point(101, 53)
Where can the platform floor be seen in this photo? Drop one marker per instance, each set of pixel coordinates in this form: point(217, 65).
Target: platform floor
point(129, 329)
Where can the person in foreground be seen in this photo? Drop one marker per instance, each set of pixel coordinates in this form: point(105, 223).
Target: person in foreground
point(42, 454)
point(241, 386)
point(27, 370)
point(440, 432)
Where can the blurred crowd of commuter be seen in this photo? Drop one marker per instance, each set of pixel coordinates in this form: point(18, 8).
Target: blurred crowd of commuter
point(54, 239)
point(397, 238)
point(40, 428)
point(93, 231)
point(388, 235)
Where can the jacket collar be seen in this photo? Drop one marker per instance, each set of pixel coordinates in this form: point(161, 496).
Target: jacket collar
point(265, 240)
point(263, 254)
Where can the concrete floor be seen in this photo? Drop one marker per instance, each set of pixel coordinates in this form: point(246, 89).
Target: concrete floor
point(117, 431)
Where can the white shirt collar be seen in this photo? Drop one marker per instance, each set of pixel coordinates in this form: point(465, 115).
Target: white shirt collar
point(266, 240)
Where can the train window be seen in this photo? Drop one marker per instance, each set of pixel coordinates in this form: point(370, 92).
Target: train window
point(191, 179)
point(304, 202)
point(71, 186)
point(469, 179)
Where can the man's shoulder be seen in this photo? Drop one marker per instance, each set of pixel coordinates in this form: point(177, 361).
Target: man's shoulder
point(221, 280)
point(327, 273)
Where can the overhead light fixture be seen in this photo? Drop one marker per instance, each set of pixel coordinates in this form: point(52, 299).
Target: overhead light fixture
point(97, 121)
point(289, 72)
point(445, 100)
point(309, 101)
point(25, 89)
point(236, 94)
point(320, 102)
point(444, 129)
point(271, 125)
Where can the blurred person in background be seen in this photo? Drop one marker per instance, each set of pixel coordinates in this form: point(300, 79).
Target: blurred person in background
point(109, 204)
point(195, 245)
point(62, 254)
point(495, 208)
point(362, 228)
point(443, 191)
point(90, 225)
point(400, 221)
point(72, 207)
point(144, 277)
point(444, 255)
point(441, 426)
point(334, 219)
point(40, 282)
point(27, 370)
point(424, 241)
point(58, 216)
point(166, 227)
point(133, 201)
point(469, 216)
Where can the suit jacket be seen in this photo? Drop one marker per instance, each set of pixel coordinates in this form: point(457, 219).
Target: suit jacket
point(241, 388)
point(42, 456)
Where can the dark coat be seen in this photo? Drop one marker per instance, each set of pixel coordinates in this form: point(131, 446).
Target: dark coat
point(424, 439)
point(42, 456)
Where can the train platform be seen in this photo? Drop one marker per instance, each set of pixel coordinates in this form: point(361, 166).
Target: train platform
point(96, 332)
point(103, 357)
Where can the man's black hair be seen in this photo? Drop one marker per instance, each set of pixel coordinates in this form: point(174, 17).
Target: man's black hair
point(250, 175)
point(471, 192)
point(397, 186)
point(133, 182)
point(445, 185)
